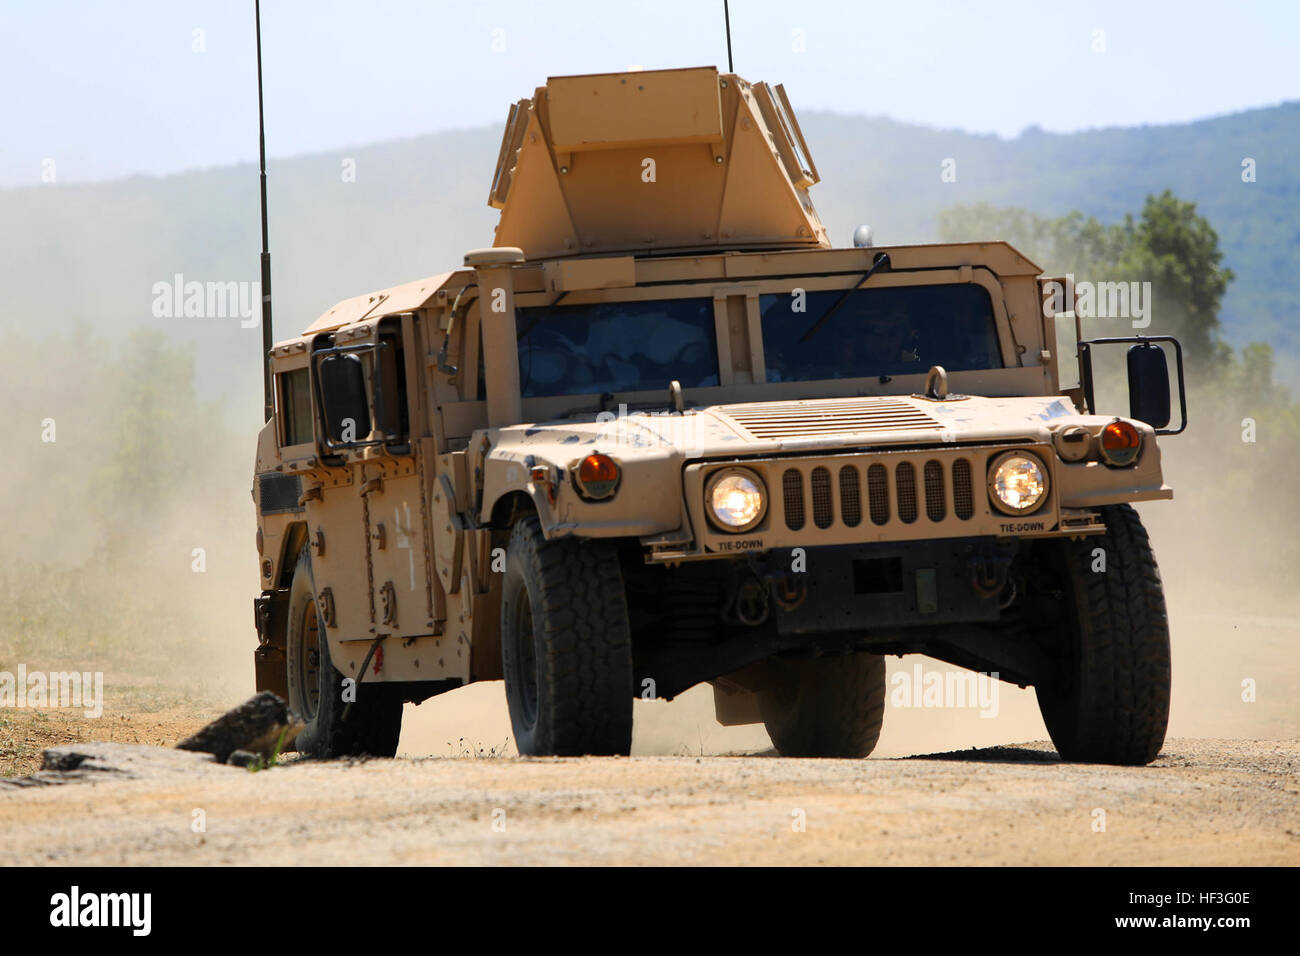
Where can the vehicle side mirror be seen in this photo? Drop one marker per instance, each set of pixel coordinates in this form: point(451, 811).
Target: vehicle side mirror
point(343, 397)
point(1148, 385)
point(1148, 380)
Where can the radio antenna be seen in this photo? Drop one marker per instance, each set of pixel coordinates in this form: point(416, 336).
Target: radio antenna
point(266, 251)
point(726, 13)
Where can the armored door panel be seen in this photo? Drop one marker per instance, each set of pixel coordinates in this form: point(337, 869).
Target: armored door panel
point(336, 536)
point(398, 550)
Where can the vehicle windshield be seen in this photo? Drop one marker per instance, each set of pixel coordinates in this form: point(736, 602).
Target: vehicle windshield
point(891, 330)
point(616, 347)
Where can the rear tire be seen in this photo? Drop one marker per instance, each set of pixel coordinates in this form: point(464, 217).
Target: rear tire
point(566, 646)
point(370, 726)
point(1110, 704)
point(826, 706)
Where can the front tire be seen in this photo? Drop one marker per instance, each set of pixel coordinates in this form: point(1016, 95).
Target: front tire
point(369, 726)
point(566, 645)
point(1110, 703)
point(826, 706)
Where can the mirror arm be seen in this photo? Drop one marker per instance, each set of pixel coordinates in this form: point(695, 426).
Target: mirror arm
point(1085, 369)
point(1085, 377)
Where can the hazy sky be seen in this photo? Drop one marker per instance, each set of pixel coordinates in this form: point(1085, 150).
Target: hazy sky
point(107, 89)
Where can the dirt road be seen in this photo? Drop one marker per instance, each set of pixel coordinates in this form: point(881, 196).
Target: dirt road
point(676, 800)
point(1201, 802)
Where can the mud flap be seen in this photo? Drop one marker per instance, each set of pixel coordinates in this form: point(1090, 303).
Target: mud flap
point(269, 663)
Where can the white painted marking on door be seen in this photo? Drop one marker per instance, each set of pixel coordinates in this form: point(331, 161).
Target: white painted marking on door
point(404, 539)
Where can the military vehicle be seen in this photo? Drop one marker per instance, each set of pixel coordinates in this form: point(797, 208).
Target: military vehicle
point(661, 432)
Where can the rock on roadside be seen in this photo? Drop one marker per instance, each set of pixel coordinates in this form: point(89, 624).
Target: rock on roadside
point(259, 726)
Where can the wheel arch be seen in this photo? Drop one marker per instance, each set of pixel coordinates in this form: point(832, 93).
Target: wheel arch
point(511, 507)
point(294, 540)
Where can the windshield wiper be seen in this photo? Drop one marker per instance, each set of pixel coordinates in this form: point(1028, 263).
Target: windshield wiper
point(880, 264)
point(606, 399)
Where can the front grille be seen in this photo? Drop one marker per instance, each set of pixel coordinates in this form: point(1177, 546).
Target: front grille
point(935, 505)
point(878, 494)
point(963, 498)
point(821, 495)
point(850, 497)
point(831, 492)
point(792, 486)
point(905, 483)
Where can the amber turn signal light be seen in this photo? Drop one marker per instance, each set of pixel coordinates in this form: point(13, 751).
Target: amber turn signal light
point(597, 476)
point(1120, 443)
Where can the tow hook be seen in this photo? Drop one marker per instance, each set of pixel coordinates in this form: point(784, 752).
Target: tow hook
point(788, 590)
point(986, 576)
point(748, 600)
point(989, 566)
point(751, 602)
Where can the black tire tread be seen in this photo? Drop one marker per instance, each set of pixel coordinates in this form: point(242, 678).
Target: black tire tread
point(1117, 710)
point(836, 707)
point(585, 654)
point(370, 726)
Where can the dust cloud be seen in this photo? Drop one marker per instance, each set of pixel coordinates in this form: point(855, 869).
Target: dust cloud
point(129, 527)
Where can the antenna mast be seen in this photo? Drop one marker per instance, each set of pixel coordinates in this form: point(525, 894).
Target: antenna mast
point(266, 252)
point(726, 13)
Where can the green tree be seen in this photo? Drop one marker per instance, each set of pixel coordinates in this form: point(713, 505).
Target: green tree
point(1168, 244)
point(1177, 251)
point(1073, 244)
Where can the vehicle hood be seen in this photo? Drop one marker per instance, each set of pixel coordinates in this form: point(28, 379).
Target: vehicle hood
point(793, 427)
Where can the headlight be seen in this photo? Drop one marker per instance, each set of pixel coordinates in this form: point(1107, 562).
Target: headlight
point(736, 499)
point(1017, 482)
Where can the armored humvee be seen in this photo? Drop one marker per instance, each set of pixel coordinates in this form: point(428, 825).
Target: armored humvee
point(661, 432)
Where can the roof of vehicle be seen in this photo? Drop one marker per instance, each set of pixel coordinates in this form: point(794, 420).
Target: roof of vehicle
point(401, 298)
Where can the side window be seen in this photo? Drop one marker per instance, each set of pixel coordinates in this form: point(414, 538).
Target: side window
point(295, 407)
point(392, 416)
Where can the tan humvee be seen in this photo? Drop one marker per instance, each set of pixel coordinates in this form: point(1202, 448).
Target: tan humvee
point(663, 433)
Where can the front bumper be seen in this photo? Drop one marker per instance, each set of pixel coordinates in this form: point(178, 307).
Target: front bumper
point(890, 585)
